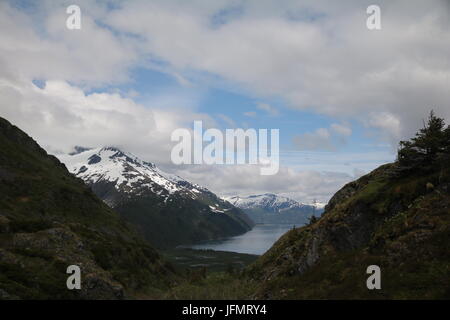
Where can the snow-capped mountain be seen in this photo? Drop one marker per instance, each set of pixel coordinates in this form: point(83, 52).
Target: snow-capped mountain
point(268, 207)
point(155, 200)
point(129, 174)
point(270, 202)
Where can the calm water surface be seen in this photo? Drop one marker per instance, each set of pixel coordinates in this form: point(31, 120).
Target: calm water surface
point(257, 241)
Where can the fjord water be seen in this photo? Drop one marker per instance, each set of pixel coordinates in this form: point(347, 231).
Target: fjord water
point(257, 241)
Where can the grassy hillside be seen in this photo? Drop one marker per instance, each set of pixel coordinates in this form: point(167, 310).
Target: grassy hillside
point(209, 274)
point(397, 224)
point(396, 217)
point(50, 220)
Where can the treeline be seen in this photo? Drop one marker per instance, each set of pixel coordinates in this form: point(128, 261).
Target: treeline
point(430, 148)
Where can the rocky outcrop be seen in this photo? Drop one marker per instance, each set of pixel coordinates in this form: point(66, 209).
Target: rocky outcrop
point(396, 222)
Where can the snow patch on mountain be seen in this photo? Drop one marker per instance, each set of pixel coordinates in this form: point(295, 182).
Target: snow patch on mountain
point(270, 202)
point(127, 172)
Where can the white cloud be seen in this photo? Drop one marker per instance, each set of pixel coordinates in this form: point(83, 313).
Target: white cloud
point(389, 124)
point(61, 116)
point(268, 108)
point(91, 56)
point(342, 162)
point(341, 129)
point(317, 140)
point(246, 180)
point(314, 54)
point(250, 114)
point(227, 120)
point(327, 139)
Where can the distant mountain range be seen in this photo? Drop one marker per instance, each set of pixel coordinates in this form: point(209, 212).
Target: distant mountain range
point(167, 209)
point(271, 208)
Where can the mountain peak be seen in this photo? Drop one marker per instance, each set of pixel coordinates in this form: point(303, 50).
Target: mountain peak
point(123, 169)
point(168, 209)
point(268, 201)
point(129, 174)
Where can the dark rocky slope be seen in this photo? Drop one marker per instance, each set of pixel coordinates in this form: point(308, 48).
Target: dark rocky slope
point(395, 223)
point(50, 220)
point(397, 217)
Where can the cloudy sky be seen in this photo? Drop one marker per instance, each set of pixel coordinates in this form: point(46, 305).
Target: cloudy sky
point(341, 95)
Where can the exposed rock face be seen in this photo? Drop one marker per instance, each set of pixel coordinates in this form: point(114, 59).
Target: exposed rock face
point(394, 222)
point(50, 220)
point(67, 248)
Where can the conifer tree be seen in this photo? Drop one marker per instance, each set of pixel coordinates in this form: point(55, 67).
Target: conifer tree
point(427, 146)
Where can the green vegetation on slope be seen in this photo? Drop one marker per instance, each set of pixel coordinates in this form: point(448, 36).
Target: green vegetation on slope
point(50, 220)
point(212, 286)
point(396, 217)
point(209, 275)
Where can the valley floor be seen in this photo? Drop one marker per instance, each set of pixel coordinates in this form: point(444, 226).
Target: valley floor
point(211, 260)
point(206, 275)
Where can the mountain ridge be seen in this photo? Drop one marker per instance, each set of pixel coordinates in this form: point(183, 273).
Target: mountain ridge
point(49, 220)
point(156, 201)
point(272, 208)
